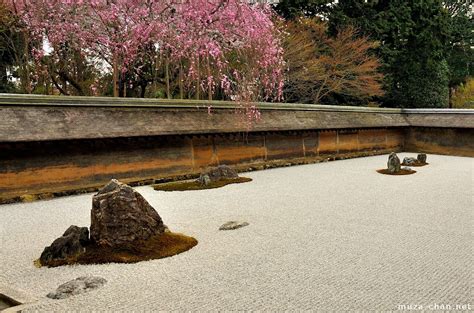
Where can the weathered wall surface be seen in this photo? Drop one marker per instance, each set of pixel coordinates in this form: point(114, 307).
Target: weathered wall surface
point(56, 145)
point(35, 118)
point(61, 166)
point(453, 141)
point(35, 123)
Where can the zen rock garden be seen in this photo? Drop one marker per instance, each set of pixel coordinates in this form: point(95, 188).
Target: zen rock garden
point(394, 166)
point(119, 254)
point(125, 228)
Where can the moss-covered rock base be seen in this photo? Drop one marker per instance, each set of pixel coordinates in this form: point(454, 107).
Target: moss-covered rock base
point(160, 246)
point(194, 185)
point(401, 172)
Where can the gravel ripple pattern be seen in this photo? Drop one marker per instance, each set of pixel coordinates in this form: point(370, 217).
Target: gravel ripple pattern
point(329, 236)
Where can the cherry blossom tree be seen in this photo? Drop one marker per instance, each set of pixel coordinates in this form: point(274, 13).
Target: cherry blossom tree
point(228, 49)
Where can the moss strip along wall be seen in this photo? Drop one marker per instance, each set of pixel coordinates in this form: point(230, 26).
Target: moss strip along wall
point(56, 145)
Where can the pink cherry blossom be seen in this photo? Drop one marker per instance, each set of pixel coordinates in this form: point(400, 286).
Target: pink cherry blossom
point(229, 45)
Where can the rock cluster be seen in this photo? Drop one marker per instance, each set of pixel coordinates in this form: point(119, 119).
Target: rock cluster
point(216, 174)
point(418, 161)
point(120, 217)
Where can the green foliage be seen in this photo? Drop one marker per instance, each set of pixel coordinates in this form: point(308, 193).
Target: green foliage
point(15, 52)
point(463, 95)
point(424, 45)
point(290, 9)
point(421, 85)
point(461, 52)
point(7, 37)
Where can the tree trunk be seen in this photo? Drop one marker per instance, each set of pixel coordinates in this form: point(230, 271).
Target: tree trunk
point(143, 90)
point(155, 77)
point(26, 66)
point(209, 85)
point(3, 77)
point(115, 77)
point(124, 80)
point(167, 77)
point(181, 78)
point(198, 87)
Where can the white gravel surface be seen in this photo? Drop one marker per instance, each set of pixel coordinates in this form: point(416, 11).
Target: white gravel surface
point(328, 236)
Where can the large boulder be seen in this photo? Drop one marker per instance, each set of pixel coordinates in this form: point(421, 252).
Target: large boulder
point(393, 163)
point(71, 244)
point(216, 174)
point(120, 216)
point(421, 158)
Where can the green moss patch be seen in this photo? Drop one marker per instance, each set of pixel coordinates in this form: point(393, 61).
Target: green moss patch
point(401, 172)
point(194, 185)
point(157, 247)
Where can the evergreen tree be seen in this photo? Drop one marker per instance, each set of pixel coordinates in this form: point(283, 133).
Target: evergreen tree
point(421, 42)
point(290, 9)
point(461, 55)
point(425, 45)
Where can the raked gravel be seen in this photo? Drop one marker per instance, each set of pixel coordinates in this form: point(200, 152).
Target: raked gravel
point(328, 236)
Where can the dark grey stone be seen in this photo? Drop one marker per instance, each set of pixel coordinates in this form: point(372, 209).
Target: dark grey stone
point(72, 243)
point(77, 286)
point(409, 161)
point(121, 216)
point(393, 163)
point(421, 158)
point(233, 225)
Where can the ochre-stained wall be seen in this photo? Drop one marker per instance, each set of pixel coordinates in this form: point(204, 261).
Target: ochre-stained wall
point(32, 168)
point(449, 141)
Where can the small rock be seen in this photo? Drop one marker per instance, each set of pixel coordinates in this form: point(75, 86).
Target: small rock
point(406, 169)
point(77, 286)
point(409, 161)
point(233, 225)
point(120, 216)
point(71, 243)
point(205, 180)
point(393, 163)
point(216, 174)
point(421, 158)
